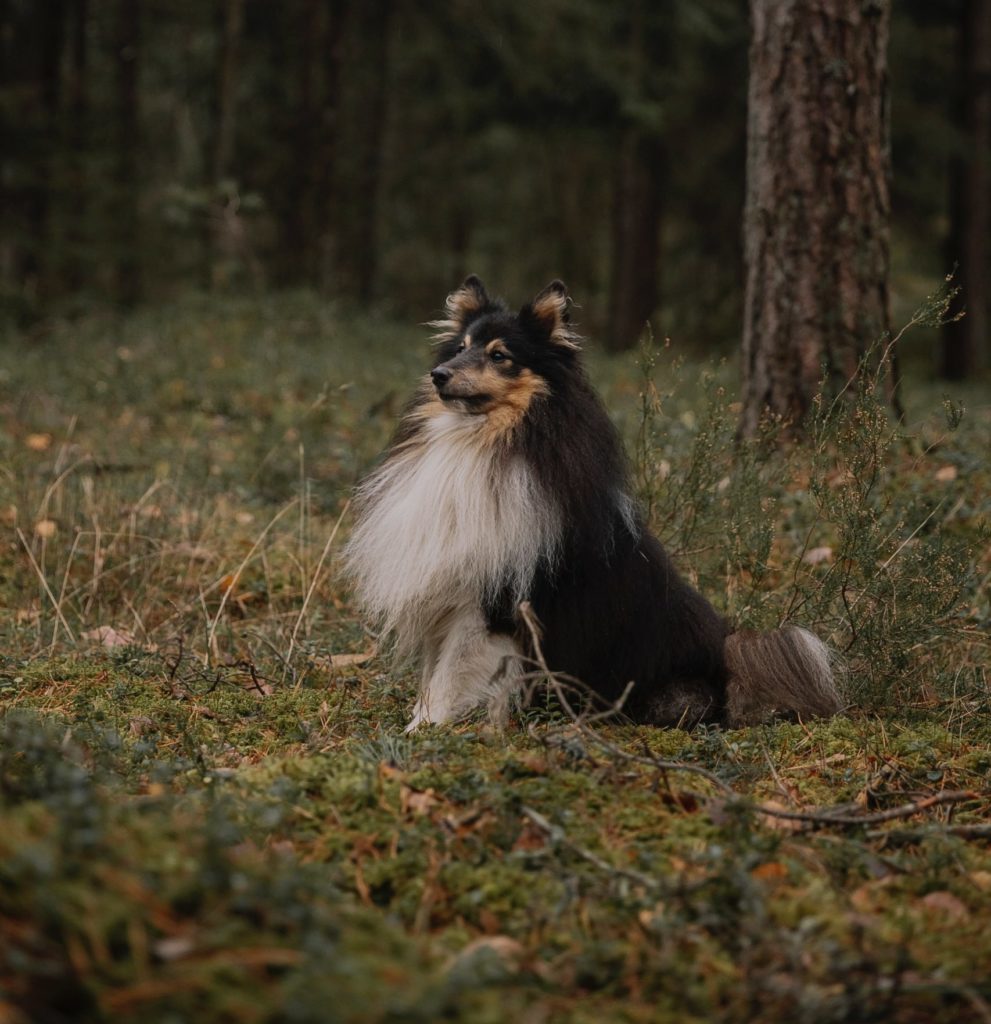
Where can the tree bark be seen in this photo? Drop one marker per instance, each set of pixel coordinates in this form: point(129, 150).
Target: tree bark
point(636, 245)
point(326, 213)
point(230, 21)
point(634, 289)
point(366, 254)
point(128, 255)
point(965, 341)
point(817, 206)
point(78, 133)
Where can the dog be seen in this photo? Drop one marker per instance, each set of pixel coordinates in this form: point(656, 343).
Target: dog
point(506, 483)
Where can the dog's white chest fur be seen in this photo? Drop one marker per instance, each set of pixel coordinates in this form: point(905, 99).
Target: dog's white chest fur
point(444, 524)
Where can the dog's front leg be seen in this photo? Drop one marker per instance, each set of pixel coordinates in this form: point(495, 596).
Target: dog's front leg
point(460, 677)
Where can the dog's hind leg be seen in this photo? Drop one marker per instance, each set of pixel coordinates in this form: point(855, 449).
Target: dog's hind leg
point(470, 669)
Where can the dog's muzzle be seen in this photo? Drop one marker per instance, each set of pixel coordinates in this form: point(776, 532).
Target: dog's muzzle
point(440, 376)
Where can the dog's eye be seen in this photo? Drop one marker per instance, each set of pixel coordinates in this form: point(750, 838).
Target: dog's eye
point(498, 357)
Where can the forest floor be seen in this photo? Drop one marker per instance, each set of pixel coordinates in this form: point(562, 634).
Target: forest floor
point(210, 811)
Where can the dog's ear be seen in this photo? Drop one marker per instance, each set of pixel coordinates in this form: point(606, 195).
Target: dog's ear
point(549, 313)
point(461, 305)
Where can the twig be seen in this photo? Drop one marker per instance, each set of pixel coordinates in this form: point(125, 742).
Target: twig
point(916, 835)
point(557, 835)
point(526, 613)
point(949, 796)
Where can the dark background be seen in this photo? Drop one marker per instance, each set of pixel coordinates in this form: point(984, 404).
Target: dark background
point(377, 151)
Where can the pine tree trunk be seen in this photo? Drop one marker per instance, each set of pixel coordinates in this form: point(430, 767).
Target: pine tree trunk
point(965, 341)
point(78, 133)
point(636, 248)
point(366, 254)
point(326, 213)
point(634, 290)
point(230, 19)
point(126, 200)
point(817, 206)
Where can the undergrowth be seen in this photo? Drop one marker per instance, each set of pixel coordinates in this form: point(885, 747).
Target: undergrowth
point(210, 811)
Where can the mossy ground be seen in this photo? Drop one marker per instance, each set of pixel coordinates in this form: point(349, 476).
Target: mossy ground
point(212, 815)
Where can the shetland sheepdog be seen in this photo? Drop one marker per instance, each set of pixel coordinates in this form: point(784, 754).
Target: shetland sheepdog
point(506, 483)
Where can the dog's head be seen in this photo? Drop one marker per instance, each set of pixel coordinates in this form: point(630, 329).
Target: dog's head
point(491, 361)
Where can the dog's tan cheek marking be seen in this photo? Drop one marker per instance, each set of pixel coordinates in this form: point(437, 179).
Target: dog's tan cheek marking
point(510, 405)
point(467, 341)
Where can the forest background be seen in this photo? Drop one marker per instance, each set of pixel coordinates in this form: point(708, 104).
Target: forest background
point(376, 152)
point(220, 225)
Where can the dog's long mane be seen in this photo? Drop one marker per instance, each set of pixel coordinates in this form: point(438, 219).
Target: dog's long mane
point(506, 481)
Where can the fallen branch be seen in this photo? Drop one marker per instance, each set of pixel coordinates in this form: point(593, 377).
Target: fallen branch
point(824, 817)
point(558, 836)
point(554, 680)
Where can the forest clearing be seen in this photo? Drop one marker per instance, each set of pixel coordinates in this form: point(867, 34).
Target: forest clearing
point(210, 810)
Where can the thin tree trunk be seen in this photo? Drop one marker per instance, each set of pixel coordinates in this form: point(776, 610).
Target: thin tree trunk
point(637, 199)
point(230, 18)
point(78, 207)
point(40, 255)
point(965, 341)
point(299, 262)
point(367, 253)
point(325, 210)
point(126, 215)
point(817, 207)
point(636, 247)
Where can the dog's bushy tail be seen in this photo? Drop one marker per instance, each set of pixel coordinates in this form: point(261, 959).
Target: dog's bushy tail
point(786, 673)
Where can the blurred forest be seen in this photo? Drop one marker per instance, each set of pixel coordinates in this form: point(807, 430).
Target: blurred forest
point(375, 151)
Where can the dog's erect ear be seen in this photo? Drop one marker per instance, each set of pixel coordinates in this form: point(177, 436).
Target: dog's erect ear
point(550, 311)
point(461, 305)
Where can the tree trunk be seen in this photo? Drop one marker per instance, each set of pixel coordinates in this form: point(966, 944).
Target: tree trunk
point(637, 197)
point(965, 340)
point(326, 214)
point(221, 219)
point(78, 133)
point(299, 261)
point(366, 222)
point(636, 247)
point(126, 216)
point(817, 206)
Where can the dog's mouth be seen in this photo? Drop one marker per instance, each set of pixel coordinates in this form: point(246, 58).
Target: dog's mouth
point(471, 403)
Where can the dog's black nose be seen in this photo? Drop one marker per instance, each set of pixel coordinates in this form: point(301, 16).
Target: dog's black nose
point(440, 376)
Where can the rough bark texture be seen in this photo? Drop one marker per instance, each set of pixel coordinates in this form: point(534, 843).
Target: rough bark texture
point(636, 242)
point(634, 290)
point(222, 225)
point(816, 219)
point(128, 271)
point(965, 341)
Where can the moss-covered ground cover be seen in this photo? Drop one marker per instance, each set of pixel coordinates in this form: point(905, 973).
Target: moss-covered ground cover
point(209, 811)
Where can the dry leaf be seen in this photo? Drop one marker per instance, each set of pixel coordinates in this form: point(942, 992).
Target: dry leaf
point(815, 556)
point(45, 529)
point(530, 838)
point(417, 801)
point(110, 637)
point(140, 725)
point(946, 904)
point(945, 474)
point(770, 871)
point(38, 442)
point(335, 661)
point(982, 879)
point(174, 947)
